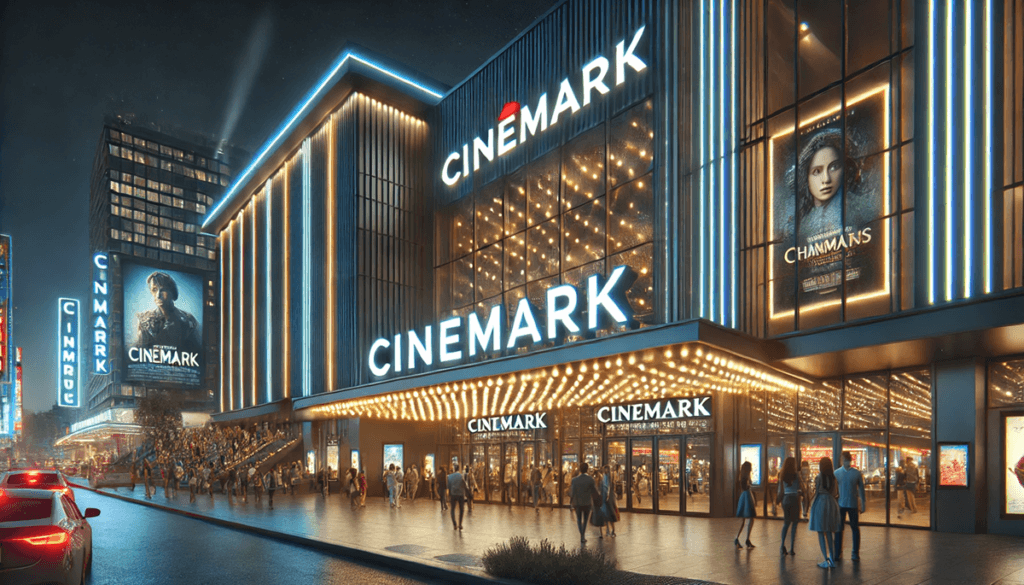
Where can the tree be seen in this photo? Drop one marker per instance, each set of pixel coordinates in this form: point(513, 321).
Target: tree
point(158, 413)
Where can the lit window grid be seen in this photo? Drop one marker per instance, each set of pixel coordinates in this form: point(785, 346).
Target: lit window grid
point(529, 224)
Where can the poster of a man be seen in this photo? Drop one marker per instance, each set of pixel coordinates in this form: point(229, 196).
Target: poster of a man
point(163, 329)
point(828, 195)
point(165, 324)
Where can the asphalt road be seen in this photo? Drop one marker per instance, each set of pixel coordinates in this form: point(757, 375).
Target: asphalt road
point(135, 544)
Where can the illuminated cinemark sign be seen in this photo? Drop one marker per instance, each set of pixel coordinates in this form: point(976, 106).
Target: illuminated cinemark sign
point(672, 409)
point(606, 305)
point(515, 422)
point(100, 315)
point(533, 122)
point(67, 353)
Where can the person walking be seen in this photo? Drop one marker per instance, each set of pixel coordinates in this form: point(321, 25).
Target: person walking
point(457, 490)
point(510, 483)
point(271, 482)
point(389, 483)
point(548, 486)
point(353, 488)
point(825, 511)
point(362, 488)
point(414, 483)
point(193, 484)
point(851, 490)
point(582, 491)
point(912, 474)
point(900, 487)
point(147, 477)
point(471, 486)
point(399, 485)
point(535, 485)
point(789, 490)
point(257, 483)
point(442, 487)
point(232, 483)
point(611, 506)
point(597, 516)
point(179, 474)
point(746, 509)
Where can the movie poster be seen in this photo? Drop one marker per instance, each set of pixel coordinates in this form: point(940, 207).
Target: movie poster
point(829, 189)
point(394, 454)
point(163, 326)
point(1013, 441)
point(953, 465)
point(752, 453)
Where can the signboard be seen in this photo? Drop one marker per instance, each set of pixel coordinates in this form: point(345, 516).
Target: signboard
point(515, 422)
point(670, 409)
point(601, 305)
point(829, 190)
point(163, 326)
point(353, 457)
point(17, 392)
point(68, 344)
point(1013, 465)
point(5, 309)
point(518, 123)
point(394, 454)
point(954, 460)
point(100, 315)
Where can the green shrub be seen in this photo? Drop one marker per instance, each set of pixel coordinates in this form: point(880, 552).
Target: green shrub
point(545, 564)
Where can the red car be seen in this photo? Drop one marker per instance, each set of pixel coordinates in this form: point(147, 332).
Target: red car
point(44, 538)
point(37, 479)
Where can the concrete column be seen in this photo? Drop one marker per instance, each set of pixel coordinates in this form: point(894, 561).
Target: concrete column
point(959, 416)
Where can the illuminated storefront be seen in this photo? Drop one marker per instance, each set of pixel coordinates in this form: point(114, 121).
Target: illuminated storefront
point(679, 238)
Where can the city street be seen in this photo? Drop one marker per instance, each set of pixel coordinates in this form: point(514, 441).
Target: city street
point(136, 544)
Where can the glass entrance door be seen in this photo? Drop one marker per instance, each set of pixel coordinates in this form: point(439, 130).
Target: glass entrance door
point(525, 471)
point(615, 456)
point(669, 492)
point(642, 474)
point(510, 477)
point(494, 473)
point(478, 465)
point(698, 466)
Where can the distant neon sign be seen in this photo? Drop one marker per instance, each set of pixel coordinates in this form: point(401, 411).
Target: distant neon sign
point(68, 386)
point(100, 315)
point(535, 121)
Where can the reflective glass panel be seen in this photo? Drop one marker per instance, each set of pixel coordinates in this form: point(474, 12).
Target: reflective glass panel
point(462, 227)
point(583, 168)
point(542, 250)
point(583, 237)
point(542, 189)
point(642, 470)
point(819, 406)
point(698, 467)
point(490, 220)
point(630, 148)
point(865, 402)
point(488, 272)
point(515, 203)
point(1006, 383)
point(515, 260)
point(631, 215)
point(462, 282)
point(641, 294)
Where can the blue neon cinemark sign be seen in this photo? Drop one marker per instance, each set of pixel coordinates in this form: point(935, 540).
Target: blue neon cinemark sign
point(68, 386)
point(100, 315)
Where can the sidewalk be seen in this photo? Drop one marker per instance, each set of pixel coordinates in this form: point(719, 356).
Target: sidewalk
point(693, 548)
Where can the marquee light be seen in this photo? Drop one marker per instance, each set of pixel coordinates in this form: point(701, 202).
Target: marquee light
point(68, 385)
point(535, 121)
point(606, 306)
point(302, 108)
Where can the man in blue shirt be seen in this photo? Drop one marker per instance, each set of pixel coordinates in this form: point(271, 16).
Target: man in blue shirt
point(851, 486)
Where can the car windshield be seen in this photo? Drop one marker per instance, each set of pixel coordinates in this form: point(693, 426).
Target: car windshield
point(21, 509)
point(33, 480)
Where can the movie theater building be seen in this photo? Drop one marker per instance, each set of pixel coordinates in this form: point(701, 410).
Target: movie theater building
point(664, 237)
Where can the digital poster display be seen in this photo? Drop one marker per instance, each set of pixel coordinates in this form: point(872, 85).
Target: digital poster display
point(163, 326)
point(1013, 464)
point(828, 190)
point(752, 453)
point(953, 465)
point(394, 454)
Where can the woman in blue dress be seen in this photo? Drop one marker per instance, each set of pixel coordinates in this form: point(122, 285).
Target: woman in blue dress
point(825, 518)
point(746, 508)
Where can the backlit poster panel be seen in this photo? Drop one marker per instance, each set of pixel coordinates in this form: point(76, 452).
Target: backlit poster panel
point(163, 326)
point(752, 453)
point(953, 465)
point(828, 190)
point(1013, 464)
point(394, 454)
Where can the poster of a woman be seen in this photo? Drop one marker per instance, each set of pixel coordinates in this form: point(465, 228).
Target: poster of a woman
point(828, 195)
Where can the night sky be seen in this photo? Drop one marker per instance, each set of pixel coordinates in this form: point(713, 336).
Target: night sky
point(66, 65)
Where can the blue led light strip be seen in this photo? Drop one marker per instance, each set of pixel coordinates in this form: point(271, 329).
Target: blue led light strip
point(712, 155)
point(301, 109)
point(734, 174)
point(701, 234)
point(932, 250)
point(231, 317)
point(949, 152)
point(987, 193)
point(223, 304)
point(722, 238)
point(968, 143)
point(241, 308)
point(307, 266)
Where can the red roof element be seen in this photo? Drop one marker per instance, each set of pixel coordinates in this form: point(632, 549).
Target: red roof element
point(508, 110)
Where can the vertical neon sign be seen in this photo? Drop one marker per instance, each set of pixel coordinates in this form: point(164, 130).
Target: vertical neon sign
point(68, 386)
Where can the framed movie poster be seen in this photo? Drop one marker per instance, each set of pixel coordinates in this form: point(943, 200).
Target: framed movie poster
point(1013, 465)
point(828, 192)
point(752, 453)
point(954, 465)
point(428, 463)
point(394, 453)
point(353, 457)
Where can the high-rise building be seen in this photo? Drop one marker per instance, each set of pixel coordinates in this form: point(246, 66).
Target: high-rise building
point(7, 397)
point(150, 322)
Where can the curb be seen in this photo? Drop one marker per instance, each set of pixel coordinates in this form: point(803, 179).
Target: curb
point(422, 568)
